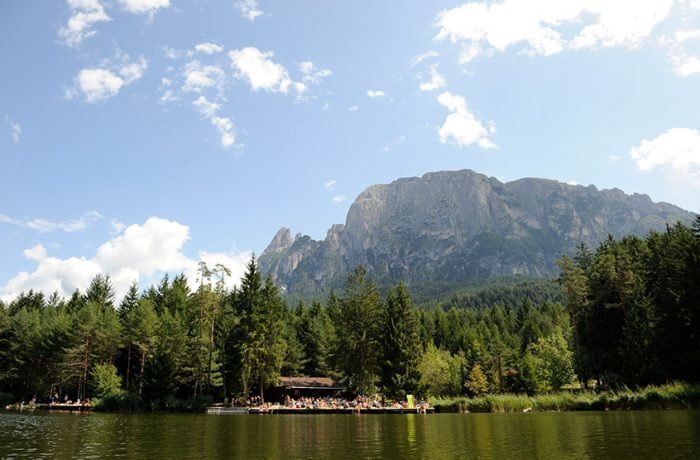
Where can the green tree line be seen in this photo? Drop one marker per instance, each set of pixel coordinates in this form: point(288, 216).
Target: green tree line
point(635, 308)
point(630, 317)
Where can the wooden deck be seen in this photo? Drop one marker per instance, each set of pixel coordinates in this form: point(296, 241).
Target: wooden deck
point(280, 410)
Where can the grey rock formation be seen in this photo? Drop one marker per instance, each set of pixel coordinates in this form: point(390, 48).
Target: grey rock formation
point(461, 226)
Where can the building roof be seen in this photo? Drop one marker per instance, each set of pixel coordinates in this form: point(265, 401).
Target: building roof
point(310, 383)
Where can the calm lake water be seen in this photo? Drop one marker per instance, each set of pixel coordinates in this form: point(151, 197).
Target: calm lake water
point(619, 435)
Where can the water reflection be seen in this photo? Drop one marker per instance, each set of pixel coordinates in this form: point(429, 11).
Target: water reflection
point(619, 435)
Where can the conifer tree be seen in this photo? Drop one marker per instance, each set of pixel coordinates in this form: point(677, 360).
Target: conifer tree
point(400, 344)
point(359, 329)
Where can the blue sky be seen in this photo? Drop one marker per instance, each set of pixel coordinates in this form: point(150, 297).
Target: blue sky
point(138, 136)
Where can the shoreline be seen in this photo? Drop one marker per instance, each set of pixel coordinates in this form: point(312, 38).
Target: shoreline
point(662, 397)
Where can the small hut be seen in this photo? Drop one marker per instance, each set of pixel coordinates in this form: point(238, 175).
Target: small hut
point(312, 387)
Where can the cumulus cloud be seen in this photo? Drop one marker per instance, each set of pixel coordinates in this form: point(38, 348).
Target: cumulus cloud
point(84, 15)
point(680, 36)
point(537, 26)
point(199, 77)
point(353, 108)
point(330, 185)
point(338, 199)
point(677, 151)
point(685, 65)
point(144, 6)
point(140, 253)
point(375, 93)
point(436, 81)
point(101, 83)
point(47, 225)
point(132, 71)
point(225, 127)
point(461, 126)
point(249, 9)
point(256, 67)
point(208, 48)
point(98, 84)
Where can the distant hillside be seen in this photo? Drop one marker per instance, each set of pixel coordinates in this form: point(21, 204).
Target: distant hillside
point(458, 227)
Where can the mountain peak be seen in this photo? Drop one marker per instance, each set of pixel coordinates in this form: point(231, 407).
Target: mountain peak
point(461, 226)
point(281, 241)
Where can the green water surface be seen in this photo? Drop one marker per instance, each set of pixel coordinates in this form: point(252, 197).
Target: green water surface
point(619, 435)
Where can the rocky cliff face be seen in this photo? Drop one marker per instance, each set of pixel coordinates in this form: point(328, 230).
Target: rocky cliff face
point(460, 226)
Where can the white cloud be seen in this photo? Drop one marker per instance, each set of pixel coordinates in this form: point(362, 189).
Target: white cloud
point(338, 199)
point(249, 9)
point(572, 182)
point(101, 83)
point(174, 53)
point(133, 71)
point(538, 25)
point(236, 262)
point(140, 253)
point(225, 127)
point(199, 77)
point(206, 107)
point(167, 97)
point(375, 93)
point(470, 53)
point(47, 226)
point(461, 126)
point(15, 129)
point(312, 74)
point(84, 15)
point(117, 226)
point(330, 185)
point(621, 23)
point(144, 6)
point(685, 35)
point(677, 151)
point(155, 246)
point(436, 81)
point(692, 4)
point(260, 71)
point(353, 108)
point(422, 57)
point(98, 84)
point(208, 48)
point(685, 65)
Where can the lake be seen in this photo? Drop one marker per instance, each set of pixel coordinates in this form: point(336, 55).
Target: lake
point(618, 435)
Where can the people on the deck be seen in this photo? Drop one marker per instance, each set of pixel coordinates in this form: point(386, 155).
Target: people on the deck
point(360, 402)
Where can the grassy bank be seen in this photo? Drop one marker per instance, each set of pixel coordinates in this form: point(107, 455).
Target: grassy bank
point(671, 396)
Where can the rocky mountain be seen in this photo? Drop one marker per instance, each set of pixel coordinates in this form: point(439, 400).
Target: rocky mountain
point(458, 227)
